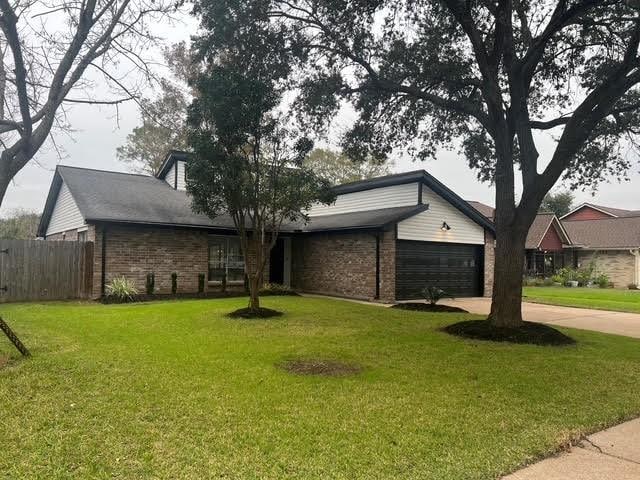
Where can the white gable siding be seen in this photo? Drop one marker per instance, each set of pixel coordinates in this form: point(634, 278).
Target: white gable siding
point(427, 225)
point(170, 176)
point(384, 197)
point(182, 176)
point(66, 215)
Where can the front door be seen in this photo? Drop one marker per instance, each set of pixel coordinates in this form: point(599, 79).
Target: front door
point(276, 263)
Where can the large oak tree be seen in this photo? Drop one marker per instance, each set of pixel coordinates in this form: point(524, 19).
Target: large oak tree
point(486, 75)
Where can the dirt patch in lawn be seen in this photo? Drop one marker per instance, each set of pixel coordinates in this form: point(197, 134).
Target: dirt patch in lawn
point(259, 313)
point(4, 361)
point(427, 307)
point(529, 332)
point(326, 368)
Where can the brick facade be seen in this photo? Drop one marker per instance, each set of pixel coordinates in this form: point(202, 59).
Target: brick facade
point(489, 262)
point(618, 265)
point(341, 264)
point(133, 252)
point(344, 264)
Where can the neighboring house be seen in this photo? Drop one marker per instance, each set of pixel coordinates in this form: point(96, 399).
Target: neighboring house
point(610, 237)
point(384, 238)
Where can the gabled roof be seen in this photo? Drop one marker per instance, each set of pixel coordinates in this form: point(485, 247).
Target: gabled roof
point(103, 196)
point(418, 176)
point(539, 228)
point(605, 233)
point(612, 212)
point(172, 157)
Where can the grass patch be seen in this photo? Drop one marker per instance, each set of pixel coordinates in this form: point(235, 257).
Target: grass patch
point(427, 307)
point(600, 299)
point(530, 332)
point(178, 390)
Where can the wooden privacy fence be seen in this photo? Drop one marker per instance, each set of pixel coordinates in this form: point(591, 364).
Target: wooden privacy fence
point(44, 270)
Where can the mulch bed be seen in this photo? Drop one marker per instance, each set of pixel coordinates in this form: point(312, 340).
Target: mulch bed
point(171, 296)
point(187, 296)
point(259, 313)
point(427, 307)
point(326, 368)
point(529, 333)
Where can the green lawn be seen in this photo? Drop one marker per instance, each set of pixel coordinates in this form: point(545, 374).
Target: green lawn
point(601, 299)
point(176, 390)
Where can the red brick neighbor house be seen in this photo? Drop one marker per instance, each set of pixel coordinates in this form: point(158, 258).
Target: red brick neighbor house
point(610, 237)
point(383, 239)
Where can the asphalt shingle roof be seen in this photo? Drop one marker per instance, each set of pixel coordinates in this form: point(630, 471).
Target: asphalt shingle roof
point(486, 210)
point(538, 228)
point(622, 232)
point(142, 199)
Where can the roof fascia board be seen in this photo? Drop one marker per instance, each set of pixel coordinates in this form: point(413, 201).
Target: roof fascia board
point(52, 196)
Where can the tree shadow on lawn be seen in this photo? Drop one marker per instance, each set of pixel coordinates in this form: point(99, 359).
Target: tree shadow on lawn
point(529, 333)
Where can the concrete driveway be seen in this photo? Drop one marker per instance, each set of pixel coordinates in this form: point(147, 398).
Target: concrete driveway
point(619, 323)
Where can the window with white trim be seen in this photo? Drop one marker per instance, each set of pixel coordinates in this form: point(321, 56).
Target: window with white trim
point(225, 259)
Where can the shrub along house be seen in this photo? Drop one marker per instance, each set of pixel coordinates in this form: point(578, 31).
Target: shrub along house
point(384, 238)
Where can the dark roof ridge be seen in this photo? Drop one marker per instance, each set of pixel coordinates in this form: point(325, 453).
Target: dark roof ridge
point(106, 171)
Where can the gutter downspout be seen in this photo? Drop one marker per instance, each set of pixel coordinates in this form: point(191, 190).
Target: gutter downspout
point(636, 273)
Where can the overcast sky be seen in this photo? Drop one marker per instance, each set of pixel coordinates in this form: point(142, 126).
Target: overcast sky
point(98, 134)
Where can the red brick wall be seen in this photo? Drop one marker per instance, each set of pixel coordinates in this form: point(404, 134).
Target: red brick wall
point(551, 241)
point(586, 213)
point(344, 264)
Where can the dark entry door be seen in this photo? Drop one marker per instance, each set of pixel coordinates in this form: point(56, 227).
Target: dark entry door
point(276, 263)
point(455, 268)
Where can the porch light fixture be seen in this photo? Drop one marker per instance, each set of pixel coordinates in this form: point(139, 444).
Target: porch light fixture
point(445, 227)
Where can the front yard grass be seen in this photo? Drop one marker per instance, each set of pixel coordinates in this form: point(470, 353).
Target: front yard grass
point(601, 299)
point(178, 390)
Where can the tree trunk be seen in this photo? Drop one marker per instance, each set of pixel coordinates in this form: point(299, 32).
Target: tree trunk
point(254, 289)
point(506, 304)
point(5, 179)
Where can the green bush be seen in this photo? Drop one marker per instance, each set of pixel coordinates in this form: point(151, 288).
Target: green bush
point(174, 283)
point(121, 289)
point(633, 286)
point(434, 294)
point(602, 280)
point(548, 282)
point(557, 278)
point(151, 283)
point(586, 274)
point(529, 281)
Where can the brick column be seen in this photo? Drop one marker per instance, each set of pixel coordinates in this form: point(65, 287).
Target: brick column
point(489, 262)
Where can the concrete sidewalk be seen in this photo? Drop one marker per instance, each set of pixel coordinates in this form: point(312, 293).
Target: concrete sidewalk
point(620, 323)
point(613, 454)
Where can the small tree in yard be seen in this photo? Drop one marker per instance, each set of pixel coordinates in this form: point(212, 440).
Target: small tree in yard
point(248, 165)
point(488, 76)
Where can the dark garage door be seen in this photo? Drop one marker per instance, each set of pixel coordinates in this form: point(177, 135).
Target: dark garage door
point(455, 268)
